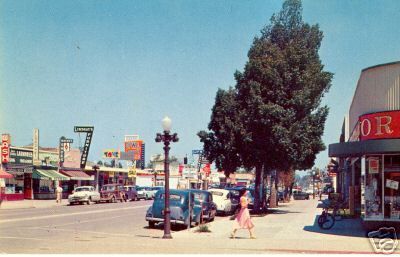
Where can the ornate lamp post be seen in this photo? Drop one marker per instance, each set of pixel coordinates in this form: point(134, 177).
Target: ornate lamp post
point(166, 137)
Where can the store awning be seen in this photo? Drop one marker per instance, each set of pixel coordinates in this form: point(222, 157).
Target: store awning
point(4, 174)
point(77, 175)
point(360, 148)
point(48, 175)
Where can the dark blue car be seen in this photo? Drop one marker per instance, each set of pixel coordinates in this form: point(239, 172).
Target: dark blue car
point(204, 207)
point(179, 207)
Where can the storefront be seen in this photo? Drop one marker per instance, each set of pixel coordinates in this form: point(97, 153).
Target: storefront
point(77, 178)
point(369, 150)
point(19, 187)
point(45, 182)
point(3, 176)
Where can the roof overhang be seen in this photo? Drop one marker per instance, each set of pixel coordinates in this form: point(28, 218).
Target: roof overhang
point(360, 148)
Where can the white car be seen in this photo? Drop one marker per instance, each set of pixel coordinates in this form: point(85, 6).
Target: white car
point(84, 194)
point(144, 193)
point(226, 203)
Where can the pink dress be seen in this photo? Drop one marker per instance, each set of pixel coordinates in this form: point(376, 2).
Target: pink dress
point(243, 218)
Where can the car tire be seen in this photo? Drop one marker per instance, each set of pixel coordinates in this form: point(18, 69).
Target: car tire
point(113, 200)
point(151, 224)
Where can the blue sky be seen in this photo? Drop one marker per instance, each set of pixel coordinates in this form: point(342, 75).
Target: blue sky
point(121, 66)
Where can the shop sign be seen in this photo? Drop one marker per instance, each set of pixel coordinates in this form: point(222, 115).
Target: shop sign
point(134, 146)
point(20, 156)
point(89, 134)
point(393, 184)
point(132, 172)
point(35, 147)
point(373, 166)
point(381, 125)
point(111, 154)
point(5, 148)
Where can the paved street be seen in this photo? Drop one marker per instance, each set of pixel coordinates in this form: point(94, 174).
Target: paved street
point(121, 228)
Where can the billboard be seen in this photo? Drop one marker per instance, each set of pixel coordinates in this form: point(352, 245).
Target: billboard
point(134, 146)
point(111, 154)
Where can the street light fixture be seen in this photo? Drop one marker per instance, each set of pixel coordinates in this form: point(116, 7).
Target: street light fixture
point(166, 137)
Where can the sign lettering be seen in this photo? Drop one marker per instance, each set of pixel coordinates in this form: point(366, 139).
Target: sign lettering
point(381, 125)
point(5, 148)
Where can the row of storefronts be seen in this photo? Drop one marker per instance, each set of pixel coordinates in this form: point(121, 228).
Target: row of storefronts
point(368, 154)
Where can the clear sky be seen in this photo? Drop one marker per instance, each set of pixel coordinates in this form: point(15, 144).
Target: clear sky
point(121, 66)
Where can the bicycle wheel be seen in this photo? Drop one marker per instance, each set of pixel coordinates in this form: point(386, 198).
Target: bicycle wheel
point(327, 222)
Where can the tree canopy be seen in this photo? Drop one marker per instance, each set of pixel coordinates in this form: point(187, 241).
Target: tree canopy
point(273, 118)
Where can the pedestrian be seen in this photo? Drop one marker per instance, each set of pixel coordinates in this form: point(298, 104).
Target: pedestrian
point(243, 220)
point(59, 191)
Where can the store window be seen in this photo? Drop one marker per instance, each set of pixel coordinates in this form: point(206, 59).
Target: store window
point(373, 187)
point(391, 187)
point(14, 185)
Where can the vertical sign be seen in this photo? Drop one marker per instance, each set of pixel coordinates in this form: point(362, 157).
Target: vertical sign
point(5, 148)
point(89, 133)
point(35, 148)
point(63, 143)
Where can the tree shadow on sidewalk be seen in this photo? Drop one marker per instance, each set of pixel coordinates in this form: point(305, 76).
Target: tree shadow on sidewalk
point(345, 227)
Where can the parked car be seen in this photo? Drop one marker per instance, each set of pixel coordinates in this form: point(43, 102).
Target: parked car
point(144, 193)
point(130, 193)
point(281, 196)
point(180, 209)
point(299, 195)
point(153, 191)
point(112, 193)
point(204, 207)
point(225, 201)
point(84, 194)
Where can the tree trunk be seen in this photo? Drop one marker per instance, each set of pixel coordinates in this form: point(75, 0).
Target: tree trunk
point(272, 199)
point(257, 199)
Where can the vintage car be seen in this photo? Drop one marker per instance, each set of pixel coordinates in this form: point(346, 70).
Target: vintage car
point(84, 194)
point(130, 193)
point(180, 208)
point(112, 193)
point(299, 195)
point(225, 201)
point(144, 193)
point(153, 190)
point(204, 207)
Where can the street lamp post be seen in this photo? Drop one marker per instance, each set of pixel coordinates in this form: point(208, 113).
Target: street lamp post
point(166, 137)
point(313, 184)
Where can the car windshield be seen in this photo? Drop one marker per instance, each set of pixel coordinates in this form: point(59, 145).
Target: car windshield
point(172, 197)
point(108, 188)
point(81, 189)
point(217, 193)
point(140, 188)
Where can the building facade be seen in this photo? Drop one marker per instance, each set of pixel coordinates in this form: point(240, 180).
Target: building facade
point(369, 149)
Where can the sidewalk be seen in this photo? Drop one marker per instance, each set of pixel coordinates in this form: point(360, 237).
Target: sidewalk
point(290, 228)
point(26, 204)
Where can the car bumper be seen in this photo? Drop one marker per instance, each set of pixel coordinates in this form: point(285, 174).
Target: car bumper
point(162, 220)
point(76, 200)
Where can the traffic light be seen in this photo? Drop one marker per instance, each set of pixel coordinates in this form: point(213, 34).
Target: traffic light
point(185, 160)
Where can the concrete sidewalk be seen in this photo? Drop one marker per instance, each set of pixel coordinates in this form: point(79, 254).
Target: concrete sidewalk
point(291, 228)
point(26, 204)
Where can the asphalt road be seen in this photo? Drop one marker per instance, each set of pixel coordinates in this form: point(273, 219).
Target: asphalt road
point(97, 228)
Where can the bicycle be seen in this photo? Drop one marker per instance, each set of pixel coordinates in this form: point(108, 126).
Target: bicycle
point(326, 220)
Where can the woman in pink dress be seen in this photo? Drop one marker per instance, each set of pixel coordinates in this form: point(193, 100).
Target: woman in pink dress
point(243, 220)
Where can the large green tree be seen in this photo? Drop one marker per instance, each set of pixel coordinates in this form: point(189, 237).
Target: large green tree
point(280, 91)
point(277, 97)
